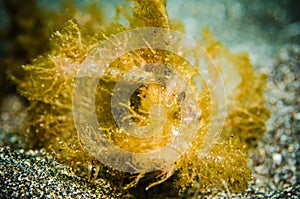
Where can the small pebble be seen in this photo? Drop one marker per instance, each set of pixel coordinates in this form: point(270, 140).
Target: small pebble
point(277, 158)
point(297, 116)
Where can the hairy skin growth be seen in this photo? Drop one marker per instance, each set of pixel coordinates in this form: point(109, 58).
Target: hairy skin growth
point(48, 84)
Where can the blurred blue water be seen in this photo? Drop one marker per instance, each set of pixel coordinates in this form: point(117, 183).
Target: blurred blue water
point(259, 27)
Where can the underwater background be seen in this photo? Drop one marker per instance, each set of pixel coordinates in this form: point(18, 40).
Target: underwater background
point(269, 31)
